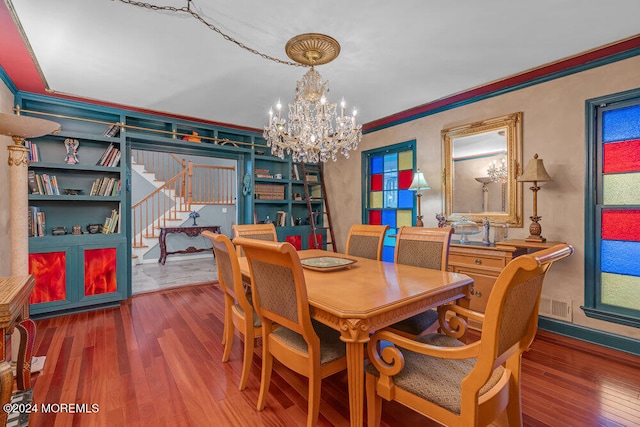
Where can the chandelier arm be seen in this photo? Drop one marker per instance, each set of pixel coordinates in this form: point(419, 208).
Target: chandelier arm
point(187, 9)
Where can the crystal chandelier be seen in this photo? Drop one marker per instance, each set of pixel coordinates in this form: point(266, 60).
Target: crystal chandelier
point(314, 130)
point(498, 173)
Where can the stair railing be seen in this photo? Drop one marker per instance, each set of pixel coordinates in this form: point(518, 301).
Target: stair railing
point(196, 184)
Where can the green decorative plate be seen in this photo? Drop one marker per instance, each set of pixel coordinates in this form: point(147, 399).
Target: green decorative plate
point(326, 263)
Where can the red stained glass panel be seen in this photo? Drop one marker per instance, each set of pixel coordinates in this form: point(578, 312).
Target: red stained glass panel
point(376, 182)
point(621, 156)
point(319, 238)
point(621, 225)
point(99, 271)
point(296, 241)
point(375, 217)
point(404, 179)
point(50, 272)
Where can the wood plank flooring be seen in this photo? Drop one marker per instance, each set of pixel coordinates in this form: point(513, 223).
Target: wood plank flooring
point(156, 361)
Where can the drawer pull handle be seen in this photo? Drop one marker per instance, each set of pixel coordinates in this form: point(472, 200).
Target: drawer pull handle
point(479, 294)
point(478, 261)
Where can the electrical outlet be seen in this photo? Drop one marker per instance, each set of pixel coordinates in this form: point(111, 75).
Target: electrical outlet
point(224, 210)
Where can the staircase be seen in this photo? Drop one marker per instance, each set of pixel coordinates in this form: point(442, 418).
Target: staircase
point(180, 188)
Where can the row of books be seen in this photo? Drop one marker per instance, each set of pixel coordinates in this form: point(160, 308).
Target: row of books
point(43, 184)
point(269, 191)
point(105, 187)
point(34, 151)
point(36, 222)
point(110, 157)
point(263, 173)
point(112, 222)
point(281, 219)
point(111, 131)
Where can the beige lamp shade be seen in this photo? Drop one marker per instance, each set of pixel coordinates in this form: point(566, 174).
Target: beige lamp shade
point(21, 127)
point(535, 171)
point(419, 183)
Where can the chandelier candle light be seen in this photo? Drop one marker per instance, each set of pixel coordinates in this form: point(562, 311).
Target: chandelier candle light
point(314, 130)
point(418, 184)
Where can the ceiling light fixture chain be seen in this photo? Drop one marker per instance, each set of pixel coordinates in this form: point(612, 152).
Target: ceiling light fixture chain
point(187, 9)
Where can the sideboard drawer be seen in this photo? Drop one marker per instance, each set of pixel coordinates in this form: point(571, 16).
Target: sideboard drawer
point(477, 260)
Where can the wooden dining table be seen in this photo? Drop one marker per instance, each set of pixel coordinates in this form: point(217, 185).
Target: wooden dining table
point(369, 295)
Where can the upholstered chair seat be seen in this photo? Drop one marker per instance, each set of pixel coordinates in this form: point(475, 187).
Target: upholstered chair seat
point(464, 384)
point(434, 379)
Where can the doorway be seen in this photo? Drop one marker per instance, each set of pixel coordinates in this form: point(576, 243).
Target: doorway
point(175, 191)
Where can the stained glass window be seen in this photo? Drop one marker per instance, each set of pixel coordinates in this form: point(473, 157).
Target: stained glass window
point(388, 200)
point(612, 289)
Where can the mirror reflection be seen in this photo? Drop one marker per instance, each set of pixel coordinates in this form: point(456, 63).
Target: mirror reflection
point(481, 161)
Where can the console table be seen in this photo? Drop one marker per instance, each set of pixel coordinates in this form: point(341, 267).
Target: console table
point(189, 230)
point(14, 308)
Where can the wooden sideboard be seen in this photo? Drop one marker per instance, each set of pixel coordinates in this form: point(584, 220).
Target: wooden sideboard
point(484, 263)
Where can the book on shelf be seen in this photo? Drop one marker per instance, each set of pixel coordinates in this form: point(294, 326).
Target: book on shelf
point(281, 219)
point(34, 152)
point(112, 131)
point(111, 222)
point(46, 184)
point(311, 178)
point(295, 174)
point(36, 222)
point(110, 157)
point(33, 184)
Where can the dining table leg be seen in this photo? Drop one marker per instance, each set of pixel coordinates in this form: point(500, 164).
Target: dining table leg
point(355, 374)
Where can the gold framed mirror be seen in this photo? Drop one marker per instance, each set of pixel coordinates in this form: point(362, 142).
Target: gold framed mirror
point(482, 161)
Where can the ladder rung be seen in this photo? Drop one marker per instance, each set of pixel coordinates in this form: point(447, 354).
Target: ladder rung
point(319, 213)
point(317, 198)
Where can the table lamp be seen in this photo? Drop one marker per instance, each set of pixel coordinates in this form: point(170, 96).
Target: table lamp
point(535, 173)
point(418, 184)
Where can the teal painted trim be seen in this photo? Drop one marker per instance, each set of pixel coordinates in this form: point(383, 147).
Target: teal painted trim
point(411, 144)
point(612, 314)
point(543, 79)
point(589, 204)
point(49, 314)
point(7, 81)
point(605, 339)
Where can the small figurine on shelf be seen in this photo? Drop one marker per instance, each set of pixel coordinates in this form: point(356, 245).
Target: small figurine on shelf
point(72, 151)
point(485, 228)
point(194, 215)
point(442, 220)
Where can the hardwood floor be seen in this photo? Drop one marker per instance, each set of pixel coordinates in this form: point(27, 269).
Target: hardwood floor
point(156, 361)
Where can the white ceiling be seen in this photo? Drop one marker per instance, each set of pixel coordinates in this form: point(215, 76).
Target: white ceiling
point(395, 54)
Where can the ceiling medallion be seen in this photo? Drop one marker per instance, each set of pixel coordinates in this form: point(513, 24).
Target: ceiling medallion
point(314, 130)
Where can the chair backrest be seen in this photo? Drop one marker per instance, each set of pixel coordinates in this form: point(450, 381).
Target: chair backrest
point(265, 232)
point(511, 316)
point(279, 290)
point(423, 247)
point(366, 240)
point(229, 275)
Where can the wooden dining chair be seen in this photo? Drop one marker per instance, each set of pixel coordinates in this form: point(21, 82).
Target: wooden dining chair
point(254, 231)
point(238, 311)
point(426, 248)
point(458, 384)
point(365, 240)
point(288, 333)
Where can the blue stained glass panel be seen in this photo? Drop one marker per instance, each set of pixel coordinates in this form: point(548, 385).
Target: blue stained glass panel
point(390, 241)
point(376, 164)
point(405, 198)
point(621, 124)
point(387, 253)
point(389, 218)
point(620, 257)
point(391, 162)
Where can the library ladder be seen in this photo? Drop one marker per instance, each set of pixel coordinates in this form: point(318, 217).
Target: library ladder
point(313, 178)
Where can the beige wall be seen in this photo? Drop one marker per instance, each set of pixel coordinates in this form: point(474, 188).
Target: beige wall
point(6, 102)
point(553, 127)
